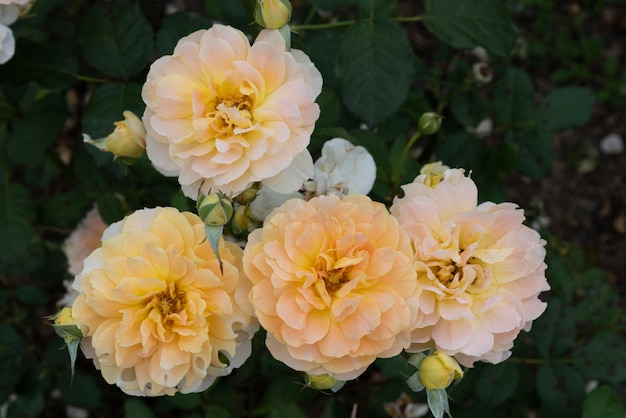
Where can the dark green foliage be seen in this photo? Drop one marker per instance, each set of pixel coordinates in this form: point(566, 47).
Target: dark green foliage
point(79, 64)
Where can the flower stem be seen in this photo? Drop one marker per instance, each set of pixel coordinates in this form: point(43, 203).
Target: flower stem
point(401, 161)
point(342, 23)
point(91, 79)
point(539, 360)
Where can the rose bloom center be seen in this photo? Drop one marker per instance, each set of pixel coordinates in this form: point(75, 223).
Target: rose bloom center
point(227, 108)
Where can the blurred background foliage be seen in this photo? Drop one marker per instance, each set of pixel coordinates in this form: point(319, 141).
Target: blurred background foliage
point(550, 67)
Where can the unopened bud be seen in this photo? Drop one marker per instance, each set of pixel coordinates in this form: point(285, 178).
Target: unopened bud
point(323, 382)
point(429, 123)
point(64, 317)
point(248, 195)
point(438, 371)
point(126, 142)
point(242, 221)
point(215, 209)
point(272, 14)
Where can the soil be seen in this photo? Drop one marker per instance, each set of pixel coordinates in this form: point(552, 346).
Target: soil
point(584, 200)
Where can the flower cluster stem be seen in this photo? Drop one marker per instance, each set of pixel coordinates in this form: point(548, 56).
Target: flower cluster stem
point(343, 23)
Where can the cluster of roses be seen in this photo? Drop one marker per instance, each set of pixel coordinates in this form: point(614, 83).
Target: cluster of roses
point(336, 281)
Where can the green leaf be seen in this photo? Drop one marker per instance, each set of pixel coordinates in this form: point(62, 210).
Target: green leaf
point(601, 304)
point(330, 107)
point(467, 24)
point(16, 212)
point(566, 107)
point(438, 402)
point(378, 8)
point(322, 46)
point(26, 406)
point(603, 402)
point(6, 108)
point(497, 383)
point(327, 4)
point(461, 150)
point(602, 358)
point(176, 26)
point(554, 331)
point(38, 129)
point(11, 352)
point(468, 109)
point(110, 207)
point(63, 209)
point(375, 60)
point(535, 151)
point(561, 389)
point(186, 402)
point(81, 390)
point(106, 105)
point(49, 64)
point(214, 411)
point(287, 409)
point(117, 41)
point(135, 408)
point(513, 97)
point(31, 295)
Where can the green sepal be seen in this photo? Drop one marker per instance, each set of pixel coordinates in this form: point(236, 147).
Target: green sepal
point(414, 382)
point(71, 337)
point(416, 359)
point(438, 402)
point(213, 234)
point(68, 332)
point(72, 349)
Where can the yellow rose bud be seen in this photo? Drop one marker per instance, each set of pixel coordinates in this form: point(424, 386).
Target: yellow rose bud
point(272, 14)
point(438, 371)
point(434, 173)
point(129, 137)
point(242, 220)
point(320, 381)
point(429, 123)
point(249, 194)
point(64, 317)
point(215, 209)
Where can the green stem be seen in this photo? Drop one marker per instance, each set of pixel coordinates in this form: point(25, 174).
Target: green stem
point(342, 23)
point(539, 360)
point(298, 28)
point(408, 19)
point(91, 79)
point(401, 162)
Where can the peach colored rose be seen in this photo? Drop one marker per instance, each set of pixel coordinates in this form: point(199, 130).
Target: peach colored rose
point(332, 284)
point(156, 314)
point(479, 268)
point(83, 240)
point(222, 114)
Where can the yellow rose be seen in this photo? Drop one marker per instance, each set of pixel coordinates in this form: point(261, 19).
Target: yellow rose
point(439, 370)
point(222, 114)
point(332, 283)
point(129, 137)
point(157, 311)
